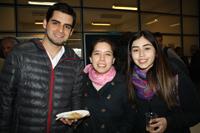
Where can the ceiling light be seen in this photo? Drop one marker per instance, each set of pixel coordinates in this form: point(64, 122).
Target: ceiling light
point(41, 3)
point(38, 23)
point(101, 24)
point(173, 25)
point(151, 22)
point(124, 8)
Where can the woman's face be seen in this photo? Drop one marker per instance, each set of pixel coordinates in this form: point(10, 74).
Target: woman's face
point(143, 53)
point(102, 57)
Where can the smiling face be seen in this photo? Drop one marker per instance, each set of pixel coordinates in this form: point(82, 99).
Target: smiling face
point(102, 57)
point(58, 28)
point(143, 53)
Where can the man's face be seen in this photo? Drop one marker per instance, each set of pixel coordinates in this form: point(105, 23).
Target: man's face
point(58, 28)
point(159, 40)
point(7, 46)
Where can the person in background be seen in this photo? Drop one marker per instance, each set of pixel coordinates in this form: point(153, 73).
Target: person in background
point(1, 64)
point(42, 78)
point(179, 52)
point(159, 38)
point(195, 68)
point(156, 89)
point(6, 46)
point(175, 61)
point(122, 52)
point(105, 93)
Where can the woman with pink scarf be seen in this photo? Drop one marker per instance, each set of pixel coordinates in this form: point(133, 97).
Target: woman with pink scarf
point(105, 93)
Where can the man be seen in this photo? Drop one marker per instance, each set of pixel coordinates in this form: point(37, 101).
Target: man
point(41, 79)
point(176, 62)
point(1, 63)
point(194, 68)
point(7, 45)
point(167, 50)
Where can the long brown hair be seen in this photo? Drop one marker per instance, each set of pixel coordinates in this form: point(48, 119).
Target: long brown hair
point(159, 76)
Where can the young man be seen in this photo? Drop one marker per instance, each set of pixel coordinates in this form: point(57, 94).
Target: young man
point(175, 61)
point(7, 45)
point(42, 78)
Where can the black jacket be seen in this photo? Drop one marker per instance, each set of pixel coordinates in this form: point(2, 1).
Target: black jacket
point(32, 93)
point(110, 110)
point(180, 118)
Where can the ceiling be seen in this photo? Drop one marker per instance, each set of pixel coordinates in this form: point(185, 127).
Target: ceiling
point(166, 11)
point(101, 11)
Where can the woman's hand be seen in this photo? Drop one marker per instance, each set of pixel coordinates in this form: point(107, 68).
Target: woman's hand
point(68, 121)
point(157, 125)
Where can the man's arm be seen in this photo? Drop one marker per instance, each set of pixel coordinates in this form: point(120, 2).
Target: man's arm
point(77, 90)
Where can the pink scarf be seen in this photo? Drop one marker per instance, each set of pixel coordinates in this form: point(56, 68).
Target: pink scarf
point(99, 80)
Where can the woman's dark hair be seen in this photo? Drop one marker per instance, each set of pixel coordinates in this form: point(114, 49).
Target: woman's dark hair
point(62, 7)
point(159, 76)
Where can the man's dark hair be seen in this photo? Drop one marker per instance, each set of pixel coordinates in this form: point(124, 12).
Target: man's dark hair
point(62, 7)
point(157, 34)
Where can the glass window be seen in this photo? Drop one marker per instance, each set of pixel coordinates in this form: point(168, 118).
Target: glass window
point(70, 2)
point(78, 25)
point(109, 3)
point(171, 41)
point(117, 21)
point(190, 7)
point(166, 6)
point(27, 36)
point(6, 1)
point(75, 42)
point(7, 16)
point(190, 25)
point(160, 23)
point(191, 43)
point(32, 19)
point(2, 35)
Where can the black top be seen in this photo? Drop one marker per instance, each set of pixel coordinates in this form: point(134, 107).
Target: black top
point(110, 111)
point(179, 119)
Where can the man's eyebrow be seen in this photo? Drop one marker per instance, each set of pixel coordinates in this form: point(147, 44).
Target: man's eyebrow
point(59, 22)
point(55, 20)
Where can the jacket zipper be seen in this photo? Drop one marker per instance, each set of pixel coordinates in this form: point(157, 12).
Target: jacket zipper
point(50, 104)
